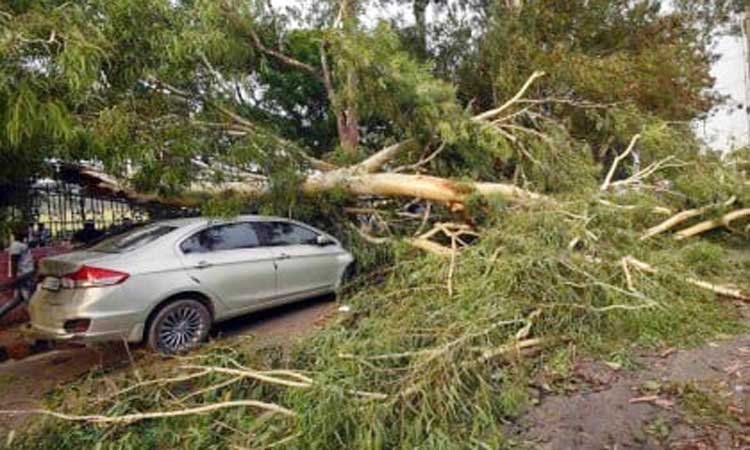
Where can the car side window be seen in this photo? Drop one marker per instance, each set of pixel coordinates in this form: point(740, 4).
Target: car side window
point(276, 234)
point(221, 237)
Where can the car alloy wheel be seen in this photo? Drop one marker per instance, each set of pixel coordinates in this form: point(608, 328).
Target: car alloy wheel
point(179, 327)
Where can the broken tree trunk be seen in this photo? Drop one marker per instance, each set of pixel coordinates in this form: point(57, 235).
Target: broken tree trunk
point(439, 190)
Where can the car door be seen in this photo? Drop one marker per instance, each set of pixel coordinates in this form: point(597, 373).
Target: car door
point(229, 261)
point(302, 266)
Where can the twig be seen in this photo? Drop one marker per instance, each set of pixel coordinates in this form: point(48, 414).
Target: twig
point(647, 172)
point(425, 218)
point(445, 348)
point(289, 61)
point(422, 161)
point(494, 112)
point(655, 209)
point(161, 381)
point(130, 418)
point(628, 276)
point(264, 376)
point(716, 288)
point(517, 347)
point(282, 441)
point(452, 267)
point(213, 387)
point(605, 185)
point(655, 399)
point(566, 101)
point(254, 374)
point(378, 159)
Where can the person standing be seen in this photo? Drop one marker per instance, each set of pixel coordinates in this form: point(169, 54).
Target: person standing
point(42, 236)
point(21, 271)
point(88, 235)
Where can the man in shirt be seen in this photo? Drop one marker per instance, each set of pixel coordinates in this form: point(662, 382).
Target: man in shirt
point(21, 271)
point(88, 235)
point(41, 237)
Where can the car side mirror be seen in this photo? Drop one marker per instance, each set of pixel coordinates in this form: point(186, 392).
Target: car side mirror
point(322, 240)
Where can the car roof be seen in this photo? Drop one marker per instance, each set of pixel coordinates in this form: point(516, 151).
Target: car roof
point(184, 222)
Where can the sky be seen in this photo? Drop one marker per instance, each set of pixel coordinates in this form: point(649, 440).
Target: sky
point(727, 126)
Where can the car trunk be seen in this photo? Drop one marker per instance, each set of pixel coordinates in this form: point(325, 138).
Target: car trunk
point(68, 263)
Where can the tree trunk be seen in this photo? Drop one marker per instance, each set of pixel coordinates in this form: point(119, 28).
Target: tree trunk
point(347, 118)
point(420, 25)
point(347, 123)
point(351, 180)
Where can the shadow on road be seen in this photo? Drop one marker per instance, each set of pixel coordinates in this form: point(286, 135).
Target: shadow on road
point(295, 317)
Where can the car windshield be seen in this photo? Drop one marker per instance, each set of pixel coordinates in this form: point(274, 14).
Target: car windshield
point(132, 239)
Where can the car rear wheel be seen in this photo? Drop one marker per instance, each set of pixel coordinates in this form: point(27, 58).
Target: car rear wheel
point(179, 327)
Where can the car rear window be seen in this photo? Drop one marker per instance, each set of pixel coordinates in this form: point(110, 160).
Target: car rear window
point(132, 239)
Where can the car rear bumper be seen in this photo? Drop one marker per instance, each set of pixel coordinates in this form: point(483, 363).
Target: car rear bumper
point(89, 336)
point(49, 315)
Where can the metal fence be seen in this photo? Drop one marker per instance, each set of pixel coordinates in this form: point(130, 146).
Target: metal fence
point(64, 207)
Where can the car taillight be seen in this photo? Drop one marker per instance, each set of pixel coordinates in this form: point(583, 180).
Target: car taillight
point(88, 276)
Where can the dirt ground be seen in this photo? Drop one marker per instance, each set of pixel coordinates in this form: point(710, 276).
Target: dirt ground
point(24, 382)
point(677, 399)
point(690, 400)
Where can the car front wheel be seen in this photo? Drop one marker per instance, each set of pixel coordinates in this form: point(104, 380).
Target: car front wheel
point(179, 327)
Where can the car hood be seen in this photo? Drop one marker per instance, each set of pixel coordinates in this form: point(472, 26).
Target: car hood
point(70, 262)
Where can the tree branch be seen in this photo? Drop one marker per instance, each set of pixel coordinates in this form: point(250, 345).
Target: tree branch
point(284, 59)
point(708, 225)
point(716, 288)
point(678, 219)
point(327, 81)
point(378, 159)
point(130, 418)
point(616, 162)
point(494, 112)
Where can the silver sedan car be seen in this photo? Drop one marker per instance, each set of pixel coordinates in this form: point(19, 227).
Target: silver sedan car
point(167, 282)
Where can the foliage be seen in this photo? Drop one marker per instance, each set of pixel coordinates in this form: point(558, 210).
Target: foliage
point(86, 80)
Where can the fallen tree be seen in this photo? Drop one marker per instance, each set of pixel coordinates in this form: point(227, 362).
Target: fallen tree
point(500, 220)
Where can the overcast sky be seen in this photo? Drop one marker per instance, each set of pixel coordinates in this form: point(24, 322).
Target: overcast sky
point(727, 127)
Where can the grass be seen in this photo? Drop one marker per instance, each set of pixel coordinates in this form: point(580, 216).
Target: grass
point(408, 339)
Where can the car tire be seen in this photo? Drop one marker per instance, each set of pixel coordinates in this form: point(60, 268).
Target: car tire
point(348, 274)
point(179, 327)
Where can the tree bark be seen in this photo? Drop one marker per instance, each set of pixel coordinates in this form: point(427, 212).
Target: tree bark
point(347, 116)
point(419, 8)
point(439, 190)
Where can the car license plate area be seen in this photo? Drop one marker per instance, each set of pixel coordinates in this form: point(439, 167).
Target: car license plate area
point(51, 284)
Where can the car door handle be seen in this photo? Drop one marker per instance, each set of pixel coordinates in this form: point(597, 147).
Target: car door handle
point(203, 265)
point(284, 256)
